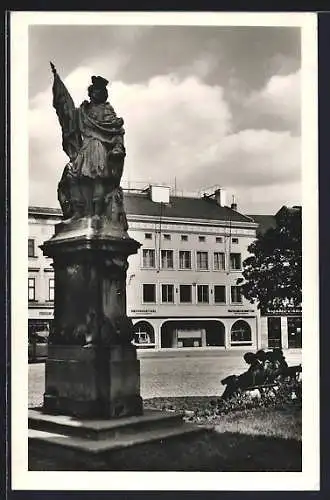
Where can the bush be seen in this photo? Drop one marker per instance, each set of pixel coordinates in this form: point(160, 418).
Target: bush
point(286, 394)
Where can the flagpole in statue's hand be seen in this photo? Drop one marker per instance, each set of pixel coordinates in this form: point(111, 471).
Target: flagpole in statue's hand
point(53, 68)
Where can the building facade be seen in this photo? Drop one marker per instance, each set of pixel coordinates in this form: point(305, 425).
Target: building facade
point(41, 272)
point(182, 284)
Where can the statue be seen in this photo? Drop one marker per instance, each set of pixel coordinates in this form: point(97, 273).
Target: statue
point(93, 139)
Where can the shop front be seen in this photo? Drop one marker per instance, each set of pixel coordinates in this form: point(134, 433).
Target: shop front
point(282, 329)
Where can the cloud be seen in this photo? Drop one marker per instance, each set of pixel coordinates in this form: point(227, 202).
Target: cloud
point(279, 98)
point(266, 199)
point(177, 130)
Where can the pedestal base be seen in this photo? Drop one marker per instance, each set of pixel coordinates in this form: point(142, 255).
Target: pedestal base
point(91, 382)
point(65, 442)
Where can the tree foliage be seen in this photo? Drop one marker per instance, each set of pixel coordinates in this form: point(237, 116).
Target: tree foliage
point(272, 275)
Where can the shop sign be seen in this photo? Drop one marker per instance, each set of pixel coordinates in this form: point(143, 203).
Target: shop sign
point(143, 311)
point(241, 311)
point(283, 312)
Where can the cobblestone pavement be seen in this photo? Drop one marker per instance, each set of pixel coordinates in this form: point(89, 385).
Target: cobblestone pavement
point(172, 374)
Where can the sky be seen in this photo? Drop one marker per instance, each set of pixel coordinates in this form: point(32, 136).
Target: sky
point(202, 106)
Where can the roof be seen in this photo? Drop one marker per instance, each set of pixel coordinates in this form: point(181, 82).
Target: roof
point(265, 222)
point(179, 207)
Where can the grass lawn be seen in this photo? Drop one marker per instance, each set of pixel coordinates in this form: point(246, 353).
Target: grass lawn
point(259, 439)
point(279, 422)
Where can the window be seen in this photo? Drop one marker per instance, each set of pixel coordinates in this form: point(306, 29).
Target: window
point(202, 261)
point(185, 293)
point(201, 238)
point(294, 332)
point(168, 293)
point(184, 260)
point(236, 294)
point(241, 333)
point(203, 293)
point(148, 258)
point(235, 261)
point(144, 334)
point(218, 239)
point(234, 240)
point(219, 262)
point(219, 294)
point(148, 236)
point(32, 288)
point(51, 288)
point(184, 237)
point(167, 259)
point(167, 237)
point(149, 293)
point(31, 248)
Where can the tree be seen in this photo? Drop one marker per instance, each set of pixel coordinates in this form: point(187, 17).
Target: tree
point(272, 276)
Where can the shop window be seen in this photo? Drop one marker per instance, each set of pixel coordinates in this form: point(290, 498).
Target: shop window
point(32, 288)
point(148, 258)
point(202, 261)
point(149, 293)
point(203, 294)
point(241, 333)
point(31, 248)
point(168, 294)
point(294, 332)
point(235, 261)
point(185, 293)
point(219, 261)
point(219, 294)
point(167, 259)
point(143, 335)
point(184, 260)
point(236, 294)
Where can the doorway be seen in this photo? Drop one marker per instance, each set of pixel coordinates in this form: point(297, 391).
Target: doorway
point(274, 332)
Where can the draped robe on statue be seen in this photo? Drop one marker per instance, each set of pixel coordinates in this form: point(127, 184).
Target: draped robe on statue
point(93, 139)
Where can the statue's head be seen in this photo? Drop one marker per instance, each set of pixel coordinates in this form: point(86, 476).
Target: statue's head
point(98, 92)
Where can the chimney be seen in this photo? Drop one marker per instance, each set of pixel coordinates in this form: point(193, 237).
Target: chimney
point(220, 196)
point(233, 206)
point(160, 194)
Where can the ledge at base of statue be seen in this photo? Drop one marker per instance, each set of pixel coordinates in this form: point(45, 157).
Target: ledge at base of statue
point(92, 382)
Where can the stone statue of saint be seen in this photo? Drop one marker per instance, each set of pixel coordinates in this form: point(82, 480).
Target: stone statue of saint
point(93, 139)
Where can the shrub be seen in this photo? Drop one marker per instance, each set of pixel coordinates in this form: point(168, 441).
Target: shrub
point(286, 394)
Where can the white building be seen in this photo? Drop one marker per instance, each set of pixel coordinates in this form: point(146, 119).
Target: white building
point(41, 272)
point(181, 286)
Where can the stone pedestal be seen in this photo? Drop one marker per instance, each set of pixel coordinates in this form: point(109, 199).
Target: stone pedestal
point(92, 381)
point(92, 369)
